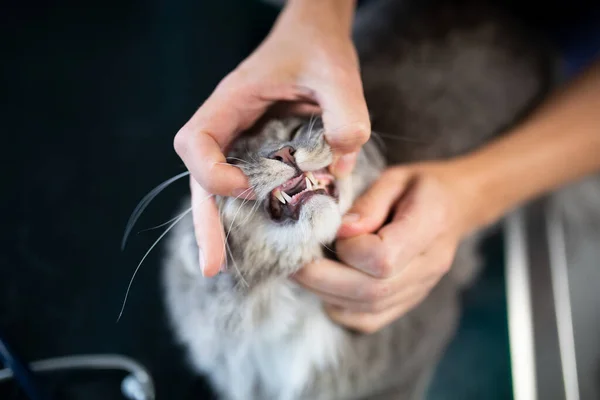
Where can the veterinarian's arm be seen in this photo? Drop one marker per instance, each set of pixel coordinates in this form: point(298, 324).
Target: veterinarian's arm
point(435, 205)
point(309, 63)
point(558, 145)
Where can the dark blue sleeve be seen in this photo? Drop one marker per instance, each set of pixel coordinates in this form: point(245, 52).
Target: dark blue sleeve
point(580, 44)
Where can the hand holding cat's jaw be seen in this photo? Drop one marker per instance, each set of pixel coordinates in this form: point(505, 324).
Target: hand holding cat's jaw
point(303, 60)
point(387, 269)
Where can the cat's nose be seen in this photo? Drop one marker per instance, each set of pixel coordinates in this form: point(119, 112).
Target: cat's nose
point(284, 154)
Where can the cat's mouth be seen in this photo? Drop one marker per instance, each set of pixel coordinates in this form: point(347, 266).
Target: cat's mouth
point(286, 200)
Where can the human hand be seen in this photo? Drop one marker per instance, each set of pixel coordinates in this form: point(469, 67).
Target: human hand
point(308, 62)
point(386, 270)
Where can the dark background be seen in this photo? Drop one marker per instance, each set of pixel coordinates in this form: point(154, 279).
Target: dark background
point(92, 95)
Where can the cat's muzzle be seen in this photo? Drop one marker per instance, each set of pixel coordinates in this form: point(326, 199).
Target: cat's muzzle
point(286, 200)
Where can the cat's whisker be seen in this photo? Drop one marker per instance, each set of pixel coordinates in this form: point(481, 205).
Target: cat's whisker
point(224, 259)
point(250, 214)
point(177, 219)
point(226, 238)
point(141, 206)
point(396, 137)
point(379, 141)
point(233, 220)
point(243, 202)
point(243, 193)
point(253, 211)
point(311, 125)
point(327, 247)
point(237, 159)
point(144, 258)
point(228, 164)
point(158, 226)
point(227, 250)
point(235, 265)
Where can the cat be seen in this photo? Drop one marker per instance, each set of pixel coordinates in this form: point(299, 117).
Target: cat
point(440, 79)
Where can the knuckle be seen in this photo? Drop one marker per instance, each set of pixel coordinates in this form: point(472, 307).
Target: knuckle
point(369, 326)
point(383, 267)
point(361, 131)
point(444, 268)
point(447, 261)
point(438, 214)
point(180, 141)
point(376, 291)
point(394, 174)
point(350, 136)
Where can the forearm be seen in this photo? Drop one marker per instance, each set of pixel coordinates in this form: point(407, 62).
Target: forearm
point(558, 144)
point(337, 14)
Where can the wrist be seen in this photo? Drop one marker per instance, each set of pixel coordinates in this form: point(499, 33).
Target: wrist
point(478, 190)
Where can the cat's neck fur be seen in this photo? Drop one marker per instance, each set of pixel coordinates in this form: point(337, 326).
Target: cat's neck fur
point(265, 255)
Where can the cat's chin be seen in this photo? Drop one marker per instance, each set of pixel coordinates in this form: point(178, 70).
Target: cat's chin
point(320, 218)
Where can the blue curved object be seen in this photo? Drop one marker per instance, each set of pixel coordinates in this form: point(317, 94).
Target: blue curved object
point(21, 371)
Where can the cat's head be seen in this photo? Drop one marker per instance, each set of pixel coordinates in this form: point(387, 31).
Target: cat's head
point(298, 201)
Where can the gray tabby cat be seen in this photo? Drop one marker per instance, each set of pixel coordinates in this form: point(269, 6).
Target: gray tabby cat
point(445, 77)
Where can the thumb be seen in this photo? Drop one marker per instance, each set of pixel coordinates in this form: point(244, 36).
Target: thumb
point(371, 210)
point(346, 120)
point(208, 230)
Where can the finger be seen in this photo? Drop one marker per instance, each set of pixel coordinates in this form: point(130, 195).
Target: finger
point(333, 278)
point(371, 210)
point(286, 109)
point(367, 322)
point(345, 116)
point(232, 108)
point(343, 165)
point(372, 255)
point(366, 253)
point(402, 296)
point(419, 218)
point(346, 120)
point(208, 230)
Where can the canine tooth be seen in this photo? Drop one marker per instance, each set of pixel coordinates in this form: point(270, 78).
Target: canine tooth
point(312, 178)
point(308, 184)
point(286, 196)
point(277, 194)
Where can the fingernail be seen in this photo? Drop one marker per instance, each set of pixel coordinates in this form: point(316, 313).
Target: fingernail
point(243, 193)
point(350, 218)
point(304, 91)
point(201, 261)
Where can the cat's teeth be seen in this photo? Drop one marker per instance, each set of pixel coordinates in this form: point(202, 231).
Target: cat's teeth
point(308, 184)
point(277, 194)
point(287, 197)
point(310, 176)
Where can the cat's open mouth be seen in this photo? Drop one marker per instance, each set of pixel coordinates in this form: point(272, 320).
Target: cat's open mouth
point(286, 200)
